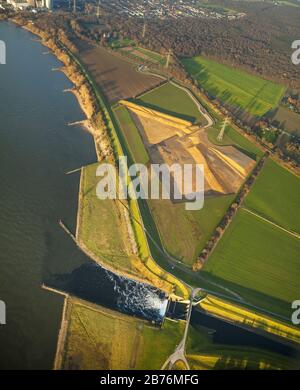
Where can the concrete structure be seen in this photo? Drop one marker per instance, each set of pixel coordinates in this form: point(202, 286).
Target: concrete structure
point(48, 4)
point(18, 4)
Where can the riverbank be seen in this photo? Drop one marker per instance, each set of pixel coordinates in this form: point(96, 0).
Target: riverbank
point(259, 322)
point(96, 124)
point(102, 339)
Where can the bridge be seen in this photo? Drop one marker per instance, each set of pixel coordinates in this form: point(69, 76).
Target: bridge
point(179, 353)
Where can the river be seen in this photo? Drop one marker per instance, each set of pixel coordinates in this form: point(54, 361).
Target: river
point(37, 147)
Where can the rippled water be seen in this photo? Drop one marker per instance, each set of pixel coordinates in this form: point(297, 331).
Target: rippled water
point(36, 149)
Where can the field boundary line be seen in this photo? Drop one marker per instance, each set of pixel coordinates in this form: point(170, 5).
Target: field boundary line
point(270, 222)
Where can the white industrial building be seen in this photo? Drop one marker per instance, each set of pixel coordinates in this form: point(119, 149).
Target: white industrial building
point(22, 4)
point(18, 4)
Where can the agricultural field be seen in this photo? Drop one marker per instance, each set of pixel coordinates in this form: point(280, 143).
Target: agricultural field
point(259, 261)
point(173, 101)
point(204, 354)
point(101, 225)
point(118, 43)
point(288, 119)
point(116, 77)
point(275, 196)
point(143, 55)
point(235, 87)
point(184, 233)
point(102, 339)
point(132, 136)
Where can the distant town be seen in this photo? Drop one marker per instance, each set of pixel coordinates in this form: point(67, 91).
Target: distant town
point(137, 8)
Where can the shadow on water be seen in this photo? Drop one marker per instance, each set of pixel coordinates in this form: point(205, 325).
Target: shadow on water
point(93, 283)
point(37, 149)
point(229, 334)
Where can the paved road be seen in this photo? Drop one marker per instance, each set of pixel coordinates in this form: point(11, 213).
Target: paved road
point(179, 353)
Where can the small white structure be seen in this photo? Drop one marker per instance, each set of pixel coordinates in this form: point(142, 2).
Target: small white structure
point(18, 4)
point(48, 4)
point(2, 313)
point(2, 53)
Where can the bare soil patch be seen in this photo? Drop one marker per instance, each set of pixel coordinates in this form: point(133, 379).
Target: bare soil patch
point(117, 78)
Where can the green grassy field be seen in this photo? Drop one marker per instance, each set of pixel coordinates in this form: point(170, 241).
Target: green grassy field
point(258, 261)
point(153, 55)
point(103, 230)
point(158, 344)
point(174, 101)
point(131, 135)
point(102, 339)
point(235, 87)
point(118, 43)
point(204, 354)
point(101, 226)
point(234, 138)
point(275, 195)
point(184, 233)
point(142, 55)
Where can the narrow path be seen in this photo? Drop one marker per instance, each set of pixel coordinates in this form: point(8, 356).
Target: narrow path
point(271, 223)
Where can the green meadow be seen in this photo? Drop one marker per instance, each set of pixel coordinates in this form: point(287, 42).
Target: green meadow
point(276, 196)
point(131, 135)
point(259, 261)
point(234, 138)
point(102, 339)
point(152, 55)
point(173, 101)
point(184, 233)
point(238, 88)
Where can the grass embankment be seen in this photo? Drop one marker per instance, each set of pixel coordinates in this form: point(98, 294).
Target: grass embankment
point(132, 136)
point(235, 87)
point(173, 101)
point(106, 232)
point(239, 314)
point(204, 354)
point(101, 225)
point(101, 339)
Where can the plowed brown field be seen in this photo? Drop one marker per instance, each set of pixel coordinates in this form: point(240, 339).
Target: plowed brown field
point(117, 78)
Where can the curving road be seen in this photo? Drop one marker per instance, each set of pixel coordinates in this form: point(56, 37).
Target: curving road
point(179, 353)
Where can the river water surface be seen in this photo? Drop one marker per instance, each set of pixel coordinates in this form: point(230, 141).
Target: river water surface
point(37, 147)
